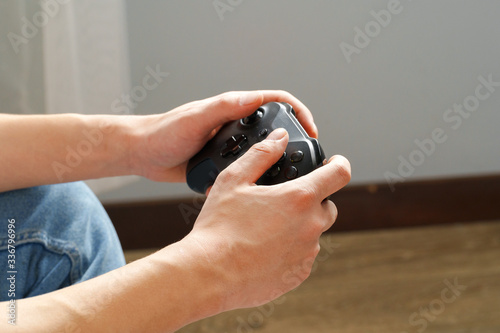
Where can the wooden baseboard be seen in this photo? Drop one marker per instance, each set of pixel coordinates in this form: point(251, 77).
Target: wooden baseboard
point(361, 207)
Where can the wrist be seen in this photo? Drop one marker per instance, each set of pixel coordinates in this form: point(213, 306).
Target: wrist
point(112, 137)
point(202, 275)
point(136, 135)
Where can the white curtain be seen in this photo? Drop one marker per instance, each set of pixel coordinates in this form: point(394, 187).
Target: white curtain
point(59, 56)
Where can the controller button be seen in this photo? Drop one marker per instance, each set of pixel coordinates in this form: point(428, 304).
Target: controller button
point(291, 172)
point(282, 159)
point(233, 145)
point(263, 132)
point(253, 118)
point(273, 171)
point(297, 156)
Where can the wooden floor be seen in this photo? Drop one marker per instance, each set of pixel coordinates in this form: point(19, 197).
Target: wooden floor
point(428, 279)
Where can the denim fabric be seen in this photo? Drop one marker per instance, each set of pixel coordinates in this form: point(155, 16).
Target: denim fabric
point(62, 236)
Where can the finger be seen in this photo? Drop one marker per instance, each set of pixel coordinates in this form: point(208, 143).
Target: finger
point(223, 108)
point(327, 179)
point(331, 213)
point(304, 116)
point(257, 160)
point(234, 105)
point(207, 192)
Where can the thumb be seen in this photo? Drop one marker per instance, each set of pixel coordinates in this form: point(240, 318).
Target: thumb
point(228, 106)
point(257, 160)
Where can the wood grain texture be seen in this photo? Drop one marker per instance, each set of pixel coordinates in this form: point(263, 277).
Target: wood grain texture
point(361, 207)
point(388, 281)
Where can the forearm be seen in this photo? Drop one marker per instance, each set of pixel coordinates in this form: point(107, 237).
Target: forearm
point(160, 293)
point(48, 149)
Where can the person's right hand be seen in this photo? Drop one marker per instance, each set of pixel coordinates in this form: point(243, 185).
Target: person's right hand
point(263, 239)
point(249, 245)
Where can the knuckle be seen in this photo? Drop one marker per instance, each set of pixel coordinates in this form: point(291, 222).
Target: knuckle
point(263, 147)
point(225, 99)
point(343, 169)
point(316, 250)
point(330, 207)
point(304, 196)
point(334, 212)
point(309, 234)
point(285, 94)
point(308, 262)
point(313, 231)
point(318, 226)
point(230, 175)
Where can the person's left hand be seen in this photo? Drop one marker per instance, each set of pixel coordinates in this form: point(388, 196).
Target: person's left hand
point(162, 144)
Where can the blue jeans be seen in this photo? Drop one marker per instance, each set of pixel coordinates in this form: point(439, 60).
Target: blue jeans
point(62, 236)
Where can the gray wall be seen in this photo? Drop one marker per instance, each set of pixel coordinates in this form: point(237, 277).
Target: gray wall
point(396, 88)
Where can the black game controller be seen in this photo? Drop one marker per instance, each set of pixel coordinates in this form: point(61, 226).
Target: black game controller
point(303, 153)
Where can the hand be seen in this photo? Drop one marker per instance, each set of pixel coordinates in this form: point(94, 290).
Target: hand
point(263, 239)
point(163, 144)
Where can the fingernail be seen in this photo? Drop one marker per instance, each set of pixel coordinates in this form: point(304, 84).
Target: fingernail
point(277, 134)
point(250, 97)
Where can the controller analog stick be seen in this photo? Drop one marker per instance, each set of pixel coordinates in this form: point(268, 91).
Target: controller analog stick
point(253, 118)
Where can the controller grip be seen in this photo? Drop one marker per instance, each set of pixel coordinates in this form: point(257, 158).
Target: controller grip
point(319, 152)
point(202, 176)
